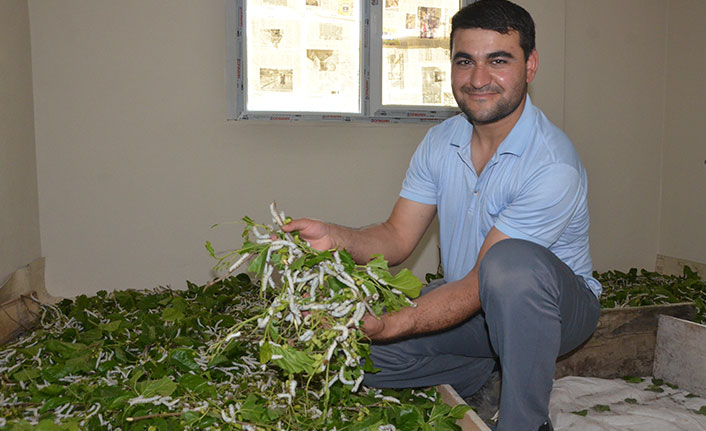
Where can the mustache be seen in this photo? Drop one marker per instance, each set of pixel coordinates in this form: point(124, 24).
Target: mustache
point(486, 89)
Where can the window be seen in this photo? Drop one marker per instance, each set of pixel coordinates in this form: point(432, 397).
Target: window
point(348, 60)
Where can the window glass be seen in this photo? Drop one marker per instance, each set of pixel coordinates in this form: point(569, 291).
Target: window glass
point(416, 67)
point(303, 55)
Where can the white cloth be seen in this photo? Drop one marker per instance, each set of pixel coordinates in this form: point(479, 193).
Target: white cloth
point(670, 410)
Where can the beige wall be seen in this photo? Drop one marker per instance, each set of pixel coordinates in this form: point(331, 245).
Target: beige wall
point(136, 161)
point(683, 227)
point(19, 213)
point(614, 113)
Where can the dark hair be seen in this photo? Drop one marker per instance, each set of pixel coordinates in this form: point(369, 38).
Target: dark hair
point(497, 15)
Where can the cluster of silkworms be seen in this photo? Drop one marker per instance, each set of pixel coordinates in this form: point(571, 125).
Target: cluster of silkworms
point(304, 303)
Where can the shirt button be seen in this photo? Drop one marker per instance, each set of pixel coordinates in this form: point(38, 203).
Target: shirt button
point(475, 192)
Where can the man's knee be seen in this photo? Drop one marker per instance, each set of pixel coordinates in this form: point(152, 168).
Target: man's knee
point(510, 269)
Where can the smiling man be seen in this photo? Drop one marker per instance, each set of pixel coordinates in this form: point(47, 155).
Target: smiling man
point(510, 193)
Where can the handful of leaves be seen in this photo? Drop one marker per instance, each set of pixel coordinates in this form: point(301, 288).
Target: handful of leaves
point(229, 355)
point(309, 326)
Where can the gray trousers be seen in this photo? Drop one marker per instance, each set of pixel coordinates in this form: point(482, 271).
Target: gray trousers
point(534, 308)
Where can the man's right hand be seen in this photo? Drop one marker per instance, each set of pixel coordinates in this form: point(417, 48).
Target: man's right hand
point(316, 232)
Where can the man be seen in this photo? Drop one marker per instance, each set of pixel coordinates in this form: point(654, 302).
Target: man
point(510, 193)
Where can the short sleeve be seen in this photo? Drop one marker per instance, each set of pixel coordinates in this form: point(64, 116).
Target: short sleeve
point(544, 206)
point(419, 184)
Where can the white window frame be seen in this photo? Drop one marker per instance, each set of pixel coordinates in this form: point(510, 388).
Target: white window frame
point(372, 109)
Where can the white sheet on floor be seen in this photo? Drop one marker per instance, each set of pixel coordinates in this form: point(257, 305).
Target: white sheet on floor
point(670, 410)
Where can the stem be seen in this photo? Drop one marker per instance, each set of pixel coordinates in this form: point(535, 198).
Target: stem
point(153, 416)
point(231, 271)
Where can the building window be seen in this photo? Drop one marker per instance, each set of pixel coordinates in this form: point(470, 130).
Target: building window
point(350, 60)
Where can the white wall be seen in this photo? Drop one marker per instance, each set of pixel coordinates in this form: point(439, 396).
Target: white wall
point(683, 204)
point(615, 56)
point(19, 213)
point(136, 161)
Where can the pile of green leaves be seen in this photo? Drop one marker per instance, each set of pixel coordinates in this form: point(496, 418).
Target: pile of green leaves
point(201, 358)
point(638, 288)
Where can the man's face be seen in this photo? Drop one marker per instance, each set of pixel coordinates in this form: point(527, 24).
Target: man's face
point(489, 74)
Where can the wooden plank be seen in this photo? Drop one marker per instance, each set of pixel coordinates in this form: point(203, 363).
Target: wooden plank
point(18, 310)
point(470, 421)
point(680, 353)
point(17, 316)
point(623, 343)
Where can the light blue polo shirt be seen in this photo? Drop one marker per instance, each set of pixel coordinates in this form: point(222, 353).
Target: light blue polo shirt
point(533, 188)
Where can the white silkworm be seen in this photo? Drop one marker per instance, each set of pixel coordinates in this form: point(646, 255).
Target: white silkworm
point(142, 400)
point(228, 338)
point(284, 243)
point(357, 315)
point(259, 234)
point(358, 381)
point(329, 352)
point(287, 396)
point(306, 278)
point(341, 311)
point(312, 288)
point(262, 321)
point(343, 378)
point(375, 276)
point(344, 332)
point(306, 336)
point(93, 410)
point(226, 418)
point(239, 262)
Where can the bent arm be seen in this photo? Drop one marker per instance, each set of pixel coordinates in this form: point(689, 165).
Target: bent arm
point(441, 308)
point(395, 238)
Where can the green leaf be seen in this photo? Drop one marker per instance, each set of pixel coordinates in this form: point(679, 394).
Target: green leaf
point(53, 389)
point(47, 425)
point(26, 374)
point(702, 410)
point(265, 353)
point(253, 409)
point(630, 400)
point(583, 412)
point(601, 408)
point(111, 326)
point(64, 349)
point(172, 315)
point(293, 361)
point(633, 379)
point(210, 249)
point(347, 260)
point(183, 359)
point(459, 411)
point(53, 403)
point(406, 282)
point(378, 262)
point(198, 385)
point(258, 264)
point(164, 387)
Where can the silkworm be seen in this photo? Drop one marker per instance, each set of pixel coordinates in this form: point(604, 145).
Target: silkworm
point(343, 378)
point(344, 332)
point(358, 381)
point(239, 262)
